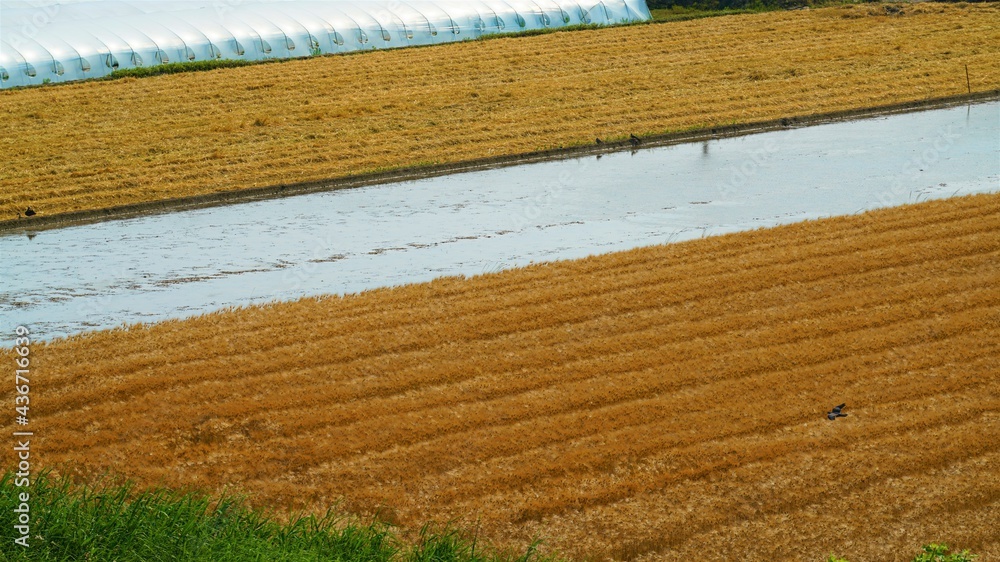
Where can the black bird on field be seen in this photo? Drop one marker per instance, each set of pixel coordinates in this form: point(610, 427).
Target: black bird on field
point(599, 141)
point(30, 212)
point(835, 413)
point(634, 140)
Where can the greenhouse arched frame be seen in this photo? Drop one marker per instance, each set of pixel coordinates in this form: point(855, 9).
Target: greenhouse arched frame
point(64, 40)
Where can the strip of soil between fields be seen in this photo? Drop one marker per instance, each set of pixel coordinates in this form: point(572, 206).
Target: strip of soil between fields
point(40, 222)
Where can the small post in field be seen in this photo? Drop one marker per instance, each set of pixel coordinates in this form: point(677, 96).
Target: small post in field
point(967, 83)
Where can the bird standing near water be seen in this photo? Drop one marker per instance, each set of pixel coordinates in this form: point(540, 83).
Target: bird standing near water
point(29, 212)
point(634, 140)
point(835, 413)
point(599, 141)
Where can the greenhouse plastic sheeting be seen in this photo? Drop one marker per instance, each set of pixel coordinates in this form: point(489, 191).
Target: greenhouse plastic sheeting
point(46, 41)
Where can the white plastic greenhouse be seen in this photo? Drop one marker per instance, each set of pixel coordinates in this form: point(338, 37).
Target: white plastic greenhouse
point(58, 41)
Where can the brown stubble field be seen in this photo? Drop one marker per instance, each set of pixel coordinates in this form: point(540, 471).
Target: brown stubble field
point(665, 403)
point(101, 144)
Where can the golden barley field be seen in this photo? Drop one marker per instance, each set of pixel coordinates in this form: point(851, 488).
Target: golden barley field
point(101, 144)
point(664, 403)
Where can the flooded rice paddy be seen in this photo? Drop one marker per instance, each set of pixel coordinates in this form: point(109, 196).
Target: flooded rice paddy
point(147, 269)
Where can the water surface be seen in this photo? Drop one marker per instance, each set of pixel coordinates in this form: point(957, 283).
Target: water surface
point(146, 269)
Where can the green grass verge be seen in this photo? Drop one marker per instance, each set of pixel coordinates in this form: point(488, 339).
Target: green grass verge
point(114, 521)
point(176, 67)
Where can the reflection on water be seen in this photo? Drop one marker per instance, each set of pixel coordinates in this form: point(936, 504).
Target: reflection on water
point(96, 276)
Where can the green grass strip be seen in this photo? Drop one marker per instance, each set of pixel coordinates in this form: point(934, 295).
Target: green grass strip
point(114, 521)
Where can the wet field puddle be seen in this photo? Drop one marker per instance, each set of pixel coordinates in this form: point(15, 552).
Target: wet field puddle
point(152, 268)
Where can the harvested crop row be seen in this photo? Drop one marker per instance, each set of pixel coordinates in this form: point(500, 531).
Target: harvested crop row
point(102, 144)
point(665, 402)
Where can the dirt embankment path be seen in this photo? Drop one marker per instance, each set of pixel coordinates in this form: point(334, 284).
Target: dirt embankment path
point(208, 138)
point(665, 403)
